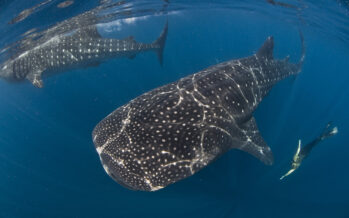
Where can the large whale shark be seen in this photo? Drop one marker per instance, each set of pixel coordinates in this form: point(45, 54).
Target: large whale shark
point(79, 48)
point(173, 131)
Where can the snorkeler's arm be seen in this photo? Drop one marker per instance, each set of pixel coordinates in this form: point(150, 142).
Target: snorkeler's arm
point(288, 173)
point(295, 160)
point(298, 149)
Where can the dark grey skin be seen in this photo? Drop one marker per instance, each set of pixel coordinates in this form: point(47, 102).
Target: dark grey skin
point(174, 131)
point(82, 48)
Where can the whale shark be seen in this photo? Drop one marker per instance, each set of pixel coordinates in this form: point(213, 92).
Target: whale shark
point(83, 47)
point(172, 132)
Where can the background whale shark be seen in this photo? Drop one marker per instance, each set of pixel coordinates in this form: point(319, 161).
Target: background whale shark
point(79, 48)
point(174, 131)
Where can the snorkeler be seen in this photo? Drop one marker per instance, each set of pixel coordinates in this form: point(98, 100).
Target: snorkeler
point(304, 151)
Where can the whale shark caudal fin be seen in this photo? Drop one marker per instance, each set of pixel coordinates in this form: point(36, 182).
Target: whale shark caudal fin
point(301, 60)
point(254, 144)
point(159, 44)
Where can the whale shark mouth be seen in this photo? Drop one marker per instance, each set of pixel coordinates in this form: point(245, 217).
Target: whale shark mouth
point(122, 175)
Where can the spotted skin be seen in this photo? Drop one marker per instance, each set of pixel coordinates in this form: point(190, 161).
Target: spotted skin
point(84, 47)
point(172, 132)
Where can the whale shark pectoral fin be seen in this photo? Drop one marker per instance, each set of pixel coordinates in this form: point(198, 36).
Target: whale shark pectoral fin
point(254, 144)
point(35, 78)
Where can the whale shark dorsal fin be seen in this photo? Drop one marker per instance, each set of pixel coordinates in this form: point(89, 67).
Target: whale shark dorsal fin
point(129, 38)
point(254, 144)
point(266, 51)
point(90, 31)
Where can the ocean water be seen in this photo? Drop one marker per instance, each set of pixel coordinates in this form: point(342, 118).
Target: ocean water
point(50, 168)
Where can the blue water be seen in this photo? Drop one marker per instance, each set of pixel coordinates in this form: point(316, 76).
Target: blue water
point(48, 163)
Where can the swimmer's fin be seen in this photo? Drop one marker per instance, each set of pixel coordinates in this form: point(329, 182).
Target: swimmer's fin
point(254, 144)
point(329, 132)
point(334, 131)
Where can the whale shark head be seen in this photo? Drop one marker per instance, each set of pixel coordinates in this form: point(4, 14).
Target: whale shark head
point(6, 71)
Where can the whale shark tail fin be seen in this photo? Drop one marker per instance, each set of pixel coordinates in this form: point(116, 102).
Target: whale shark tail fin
point(301, 60)
point(297, 67)
point(159, 44)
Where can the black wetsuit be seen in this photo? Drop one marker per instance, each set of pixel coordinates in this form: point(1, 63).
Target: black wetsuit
point(325, 134)
point(304, 151)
